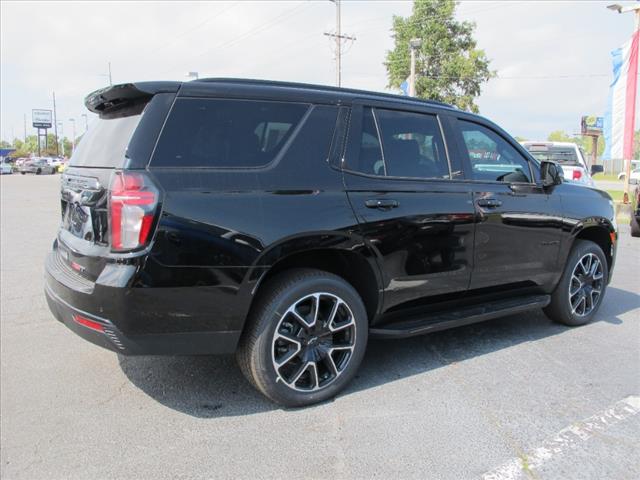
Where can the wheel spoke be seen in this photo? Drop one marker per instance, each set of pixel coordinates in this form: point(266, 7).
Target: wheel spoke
point(288, 338)
point(331, 364)
point(291, 355)
point(574, 281)
point(313, 370)
point(594, 267)
point(313, 342)
point(300, 318)
point(298, 373)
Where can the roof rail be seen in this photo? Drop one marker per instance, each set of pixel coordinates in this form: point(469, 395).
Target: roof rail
point(325, 88)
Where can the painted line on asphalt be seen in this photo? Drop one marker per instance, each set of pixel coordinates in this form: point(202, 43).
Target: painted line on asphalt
point(566, 439)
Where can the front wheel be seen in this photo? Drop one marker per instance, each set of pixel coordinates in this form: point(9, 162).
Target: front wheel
point(579, 293)
point(305, 337)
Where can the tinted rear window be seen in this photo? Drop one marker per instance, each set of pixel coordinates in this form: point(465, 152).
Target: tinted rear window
point(226, 133)
point(105, 143)
point(566, 155)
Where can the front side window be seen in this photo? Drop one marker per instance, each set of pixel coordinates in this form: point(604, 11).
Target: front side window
point(226, 133)
point(491, 157)
point(401, 144)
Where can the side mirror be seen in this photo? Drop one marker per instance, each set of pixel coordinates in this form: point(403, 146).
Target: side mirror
point(551, 173)
point(596, 169)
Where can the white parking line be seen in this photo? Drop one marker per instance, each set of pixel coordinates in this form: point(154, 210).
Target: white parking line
point(566, 439)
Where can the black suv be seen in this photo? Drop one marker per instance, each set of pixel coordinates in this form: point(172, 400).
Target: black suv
point(288, 223)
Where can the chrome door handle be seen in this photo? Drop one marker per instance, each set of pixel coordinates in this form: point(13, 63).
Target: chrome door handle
point(489, 202)
point(381, 204)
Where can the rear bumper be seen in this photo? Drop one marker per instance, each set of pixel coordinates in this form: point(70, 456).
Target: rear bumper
point(71, 297)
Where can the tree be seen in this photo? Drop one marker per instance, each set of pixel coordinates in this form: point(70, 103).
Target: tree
point(585, 142)
point(449, 67)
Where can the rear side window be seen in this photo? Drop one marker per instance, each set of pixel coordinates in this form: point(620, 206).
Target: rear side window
point(105, 143)
point(401, 144)
point(226, 133)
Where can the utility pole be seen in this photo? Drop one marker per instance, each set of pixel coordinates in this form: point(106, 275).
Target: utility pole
point(55, 123)
point(627, 161)
point(110, 81)
point(339, 38)
point(414, 44)
point(25, 128)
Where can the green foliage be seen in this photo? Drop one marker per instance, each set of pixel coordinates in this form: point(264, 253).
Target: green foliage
point(30, 147)
point(585, 142)
point(449, 67)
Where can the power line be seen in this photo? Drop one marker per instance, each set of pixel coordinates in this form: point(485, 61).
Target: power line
point(196, 27)
point(274, 21)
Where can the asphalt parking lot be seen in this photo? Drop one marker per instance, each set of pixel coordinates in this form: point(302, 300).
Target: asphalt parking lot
point(518, 397)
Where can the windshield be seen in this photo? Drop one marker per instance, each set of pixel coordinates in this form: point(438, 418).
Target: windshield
point(105, 143)
point(564, 155)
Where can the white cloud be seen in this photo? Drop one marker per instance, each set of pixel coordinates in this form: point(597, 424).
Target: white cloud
point(65, 46)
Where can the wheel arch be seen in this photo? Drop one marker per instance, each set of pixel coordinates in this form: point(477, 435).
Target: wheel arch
point(603, 234)
point(354, 267)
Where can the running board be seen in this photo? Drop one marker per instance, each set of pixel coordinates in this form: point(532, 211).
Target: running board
point(420, 325)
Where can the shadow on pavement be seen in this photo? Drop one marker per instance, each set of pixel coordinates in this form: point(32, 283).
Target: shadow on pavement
point(210, 387)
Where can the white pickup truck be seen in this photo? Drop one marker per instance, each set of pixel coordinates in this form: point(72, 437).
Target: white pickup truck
point(569, 155)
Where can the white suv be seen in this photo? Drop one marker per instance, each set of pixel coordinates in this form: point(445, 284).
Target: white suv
point(569, 155)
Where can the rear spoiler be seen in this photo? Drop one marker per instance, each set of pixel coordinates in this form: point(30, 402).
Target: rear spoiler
point(113, 98)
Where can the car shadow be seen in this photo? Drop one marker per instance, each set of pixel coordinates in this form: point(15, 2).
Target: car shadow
point(212, 386)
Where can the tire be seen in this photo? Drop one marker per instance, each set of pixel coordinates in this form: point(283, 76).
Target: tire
point(313, 365)
point(38, 172)
point(635, 227)
point(23, 173)
point(580, 308)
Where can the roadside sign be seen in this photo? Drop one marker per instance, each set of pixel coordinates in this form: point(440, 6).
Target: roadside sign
point(591, 125)
point(41, 118)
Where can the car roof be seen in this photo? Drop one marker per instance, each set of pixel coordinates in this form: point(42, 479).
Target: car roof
point(551, 144)
point(110, 97)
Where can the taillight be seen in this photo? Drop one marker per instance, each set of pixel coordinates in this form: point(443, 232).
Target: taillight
point(577, 174)
point(133, 201)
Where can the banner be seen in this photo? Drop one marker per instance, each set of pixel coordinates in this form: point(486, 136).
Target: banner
point(619, 117)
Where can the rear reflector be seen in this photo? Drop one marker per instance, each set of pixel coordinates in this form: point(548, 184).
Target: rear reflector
point(577, 174)
point(88, 323)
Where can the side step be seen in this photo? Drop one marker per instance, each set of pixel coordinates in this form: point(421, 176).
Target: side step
point(420, 325)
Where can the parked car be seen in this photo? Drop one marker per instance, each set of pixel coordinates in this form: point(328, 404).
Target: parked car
point(570, 156)
point(20, 161)
point(5, 167)
point(634, 178)
point(289, 223)
point(37, 166)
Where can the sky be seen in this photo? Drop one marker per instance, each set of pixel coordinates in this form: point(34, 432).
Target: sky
point(552, 57)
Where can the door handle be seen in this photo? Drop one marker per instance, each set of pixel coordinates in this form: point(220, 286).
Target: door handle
point(381, 204)
point(489, 202)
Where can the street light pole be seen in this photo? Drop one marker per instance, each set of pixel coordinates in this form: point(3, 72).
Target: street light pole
point(61, 127)
point(627, 161)
point(414, 44)
point(73, 140)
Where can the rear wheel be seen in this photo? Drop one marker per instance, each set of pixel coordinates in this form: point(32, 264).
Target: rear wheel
point(305, 338)
point(38, 172)
point(579, 293)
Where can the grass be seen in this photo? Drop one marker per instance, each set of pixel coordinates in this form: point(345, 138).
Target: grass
point(610, 177)
point(616, 195)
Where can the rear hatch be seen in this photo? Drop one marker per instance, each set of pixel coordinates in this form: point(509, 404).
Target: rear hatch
point(567, 156)
point(121, 139)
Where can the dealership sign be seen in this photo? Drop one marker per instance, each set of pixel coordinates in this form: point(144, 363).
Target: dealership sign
point(41, 118)
point(592, 125)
